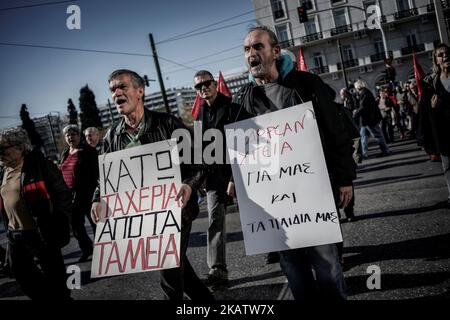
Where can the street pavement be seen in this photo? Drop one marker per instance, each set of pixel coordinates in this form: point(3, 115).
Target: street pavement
point(402, 228)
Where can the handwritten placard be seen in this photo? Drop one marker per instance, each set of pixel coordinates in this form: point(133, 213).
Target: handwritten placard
point(142, 229)
point(282, 183)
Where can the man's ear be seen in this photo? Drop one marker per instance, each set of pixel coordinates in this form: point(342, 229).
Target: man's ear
point(277, 51)
point(141, 93)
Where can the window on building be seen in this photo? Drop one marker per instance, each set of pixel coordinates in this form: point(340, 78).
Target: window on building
point(347, 51)
point(278, 9)
point(368, 3)
point(378, 43)
point(335, 2)
point(308, 3)
point(282, 32)
point(310, 26)
point(403, 5)
point(318, 60)
point(340, 17)
point(412, 40)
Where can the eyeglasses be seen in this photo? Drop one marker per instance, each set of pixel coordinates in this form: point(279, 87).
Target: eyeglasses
point(3, 149)
point(205, 83)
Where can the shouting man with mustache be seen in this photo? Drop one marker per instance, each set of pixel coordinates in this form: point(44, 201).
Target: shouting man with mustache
point(276, 85)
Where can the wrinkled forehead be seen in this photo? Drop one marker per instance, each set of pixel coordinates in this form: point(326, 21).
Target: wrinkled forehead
point(120, 79)
point(257, 36)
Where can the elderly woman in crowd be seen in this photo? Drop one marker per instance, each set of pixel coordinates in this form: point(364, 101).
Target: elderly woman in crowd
point(35, 204)
point(79, 166)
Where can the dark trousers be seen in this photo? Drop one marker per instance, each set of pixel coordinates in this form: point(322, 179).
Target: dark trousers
point(177, 281)
point(328, 283)
point(48, 281)
point(79, 214)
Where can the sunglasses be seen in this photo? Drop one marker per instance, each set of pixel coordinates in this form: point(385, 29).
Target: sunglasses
point(205, 83)
point(3, 149)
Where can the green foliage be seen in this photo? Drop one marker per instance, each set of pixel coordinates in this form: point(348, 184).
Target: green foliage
point(89, 113)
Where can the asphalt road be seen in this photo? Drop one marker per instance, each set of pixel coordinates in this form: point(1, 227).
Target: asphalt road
point(402, 228)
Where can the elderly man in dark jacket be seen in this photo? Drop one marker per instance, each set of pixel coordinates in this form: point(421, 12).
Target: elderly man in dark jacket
point(276, 85)
point(370, 118)
point(140, 126)
point(35, 204)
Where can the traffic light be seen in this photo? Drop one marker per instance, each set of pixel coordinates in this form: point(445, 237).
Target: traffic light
point(302, 13)
point(147, 84)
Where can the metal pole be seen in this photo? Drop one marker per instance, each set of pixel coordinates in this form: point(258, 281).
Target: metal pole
point(158, 71)
point(440, 20)
point(383, 36)
point(344, 73)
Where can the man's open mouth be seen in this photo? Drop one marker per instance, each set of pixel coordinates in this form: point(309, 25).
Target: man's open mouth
point(254, 63)
point(120, 101)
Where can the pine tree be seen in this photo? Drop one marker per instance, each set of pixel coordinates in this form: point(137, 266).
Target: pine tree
point(28, 125)
point(89, 114)
point(73, 113)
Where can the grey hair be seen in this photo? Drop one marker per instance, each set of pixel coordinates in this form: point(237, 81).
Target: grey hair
point(71, 127)
point(359, 84)
point(137, 80)
point(15, 137)
point(273, 40)
point(91, 129)
point(203, 73)
point(344, 90)
point(441, 46)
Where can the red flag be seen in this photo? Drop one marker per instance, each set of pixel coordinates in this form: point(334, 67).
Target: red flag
point(222, 86)
point(418, 74)
point(198, 102)
point(301, 65)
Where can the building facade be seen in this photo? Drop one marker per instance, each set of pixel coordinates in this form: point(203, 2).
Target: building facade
point(235, 81)
point(50, 129)
point(336, 28)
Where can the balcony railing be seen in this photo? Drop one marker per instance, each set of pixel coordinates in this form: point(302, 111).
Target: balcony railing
point(348, 64)
point(286, 44)
point(320, 70)
point(410, 49)
point(312, 37)
point(406, 13)
point(342, 29)
point(379, 56)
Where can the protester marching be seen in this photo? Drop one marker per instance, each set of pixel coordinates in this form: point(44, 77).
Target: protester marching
point(281, 165)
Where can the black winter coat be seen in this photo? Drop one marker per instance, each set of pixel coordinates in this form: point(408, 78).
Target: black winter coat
point(159, 127)
point(47, 197)
point(440, 115)
point(217, 175)
point(336, 141)
point(368, 110)
point(86, 175)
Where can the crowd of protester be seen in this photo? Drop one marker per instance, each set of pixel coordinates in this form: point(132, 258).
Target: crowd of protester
point(65, 193)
